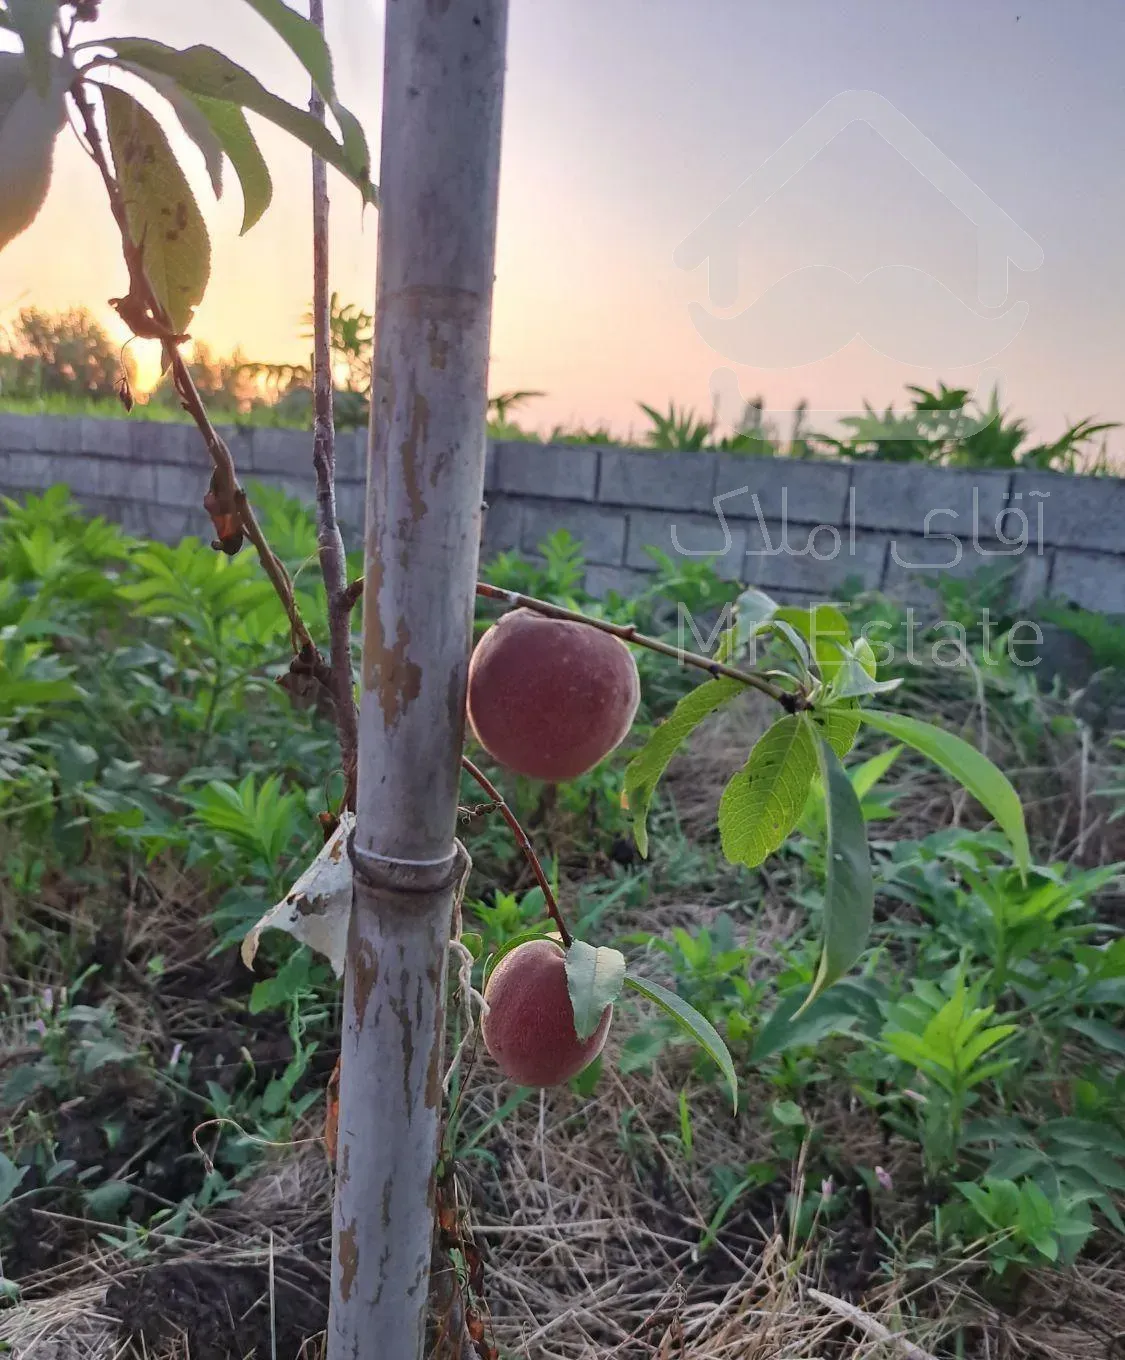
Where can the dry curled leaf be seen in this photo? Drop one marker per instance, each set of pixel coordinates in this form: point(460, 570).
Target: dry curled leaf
point(226, 519)
point(317, 908)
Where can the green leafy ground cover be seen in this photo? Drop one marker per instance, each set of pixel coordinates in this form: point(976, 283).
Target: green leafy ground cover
point(938, 1139)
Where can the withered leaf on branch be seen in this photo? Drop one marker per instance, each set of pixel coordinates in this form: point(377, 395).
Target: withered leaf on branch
point(138, 316)
point(223, 510)
point(307, 684)
point(163, 217)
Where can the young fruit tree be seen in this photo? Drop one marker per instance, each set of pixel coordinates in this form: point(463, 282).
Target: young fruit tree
point(549, 693)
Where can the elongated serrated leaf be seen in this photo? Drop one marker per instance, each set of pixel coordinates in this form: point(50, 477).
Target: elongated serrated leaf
point(355, 141)
point(191, 119)
point(849, 896)
point(762, 802)
point(34, 22)
point(303, 39)
point(645, 770)
point(697, 1026)
point(204, 71)
point(163, 216)
point(594, 975)
point(229, 125)
point(308, 46)
point(975, 772)
point(838, 725)
point(29, 124)
point(825, 629)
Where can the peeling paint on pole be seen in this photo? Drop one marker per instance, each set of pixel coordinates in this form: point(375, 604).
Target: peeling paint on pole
point(439, 177)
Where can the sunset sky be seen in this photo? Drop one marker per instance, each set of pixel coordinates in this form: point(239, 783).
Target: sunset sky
point(628, 122)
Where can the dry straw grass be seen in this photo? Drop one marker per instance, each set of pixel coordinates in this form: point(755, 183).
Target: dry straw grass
point(591, 1238)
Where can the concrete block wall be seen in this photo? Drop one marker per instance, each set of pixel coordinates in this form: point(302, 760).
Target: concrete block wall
point(802, 529)
point(799, 529)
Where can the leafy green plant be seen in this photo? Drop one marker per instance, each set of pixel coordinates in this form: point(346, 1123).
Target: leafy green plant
point(953, 1043)
point(507, 917)
point(764, 801)
point(1022, 1226)
point(711, 971)
point(680, 428)
point(943, 426)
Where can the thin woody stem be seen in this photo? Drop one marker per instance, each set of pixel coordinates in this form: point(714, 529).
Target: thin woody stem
point(627, 632)
point(330, 542)
point(225, 478)
point(525, 845)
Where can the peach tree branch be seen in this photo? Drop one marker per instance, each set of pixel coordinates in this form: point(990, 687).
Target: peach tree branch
point(330, 542)
point(524, 841)
point(792, 702)
point(227, 501)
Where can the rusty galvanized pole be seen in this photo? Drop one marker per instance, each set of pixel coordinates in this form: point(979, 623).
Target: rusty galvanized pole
point(443, 88)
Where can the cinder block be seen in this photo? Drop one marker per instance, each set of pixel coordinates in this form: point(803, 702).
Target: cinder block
point(351, 503)
point(599, 581)
point(805, 490)
point(281, 451)
point(106, 438)
point(816, 562)
point(170, 525)
point(58, 434)
point(1032, 580)
point(181, 486)
point(351, 455)
point(1075, 512)
point(560, 471)
point(153, 441)
point(601, 532)
point(901, 496)
point(113, 510)
point(18, 433)
point(672, 481)
point(911, 556)
point(1092, 580)
point(686, 536)
point(503, 521)
point(33, 471)
point(237, 439)
point(123, 480)
point(915, 567)
point(133, 516)
point(299, 488)
point(80, 474)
